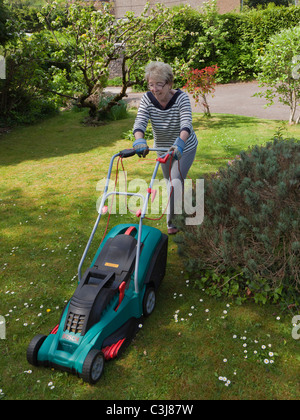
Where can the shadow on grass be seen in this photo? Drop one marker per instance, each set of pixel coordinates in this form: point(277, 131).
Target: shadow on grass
point(59, 136)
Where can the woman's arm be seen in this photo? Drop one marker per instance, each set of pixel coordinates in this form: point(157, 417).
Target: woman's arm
point(184, 135)
point(142, 119)
point(185, 117)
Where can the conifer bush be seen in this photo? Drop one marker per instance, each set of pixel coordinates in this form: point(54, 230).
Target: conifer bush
point(248, 245)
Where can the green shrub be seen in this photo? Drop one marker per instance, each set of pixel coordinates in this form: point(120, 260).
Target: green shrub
point(117, 112)
point(233, 41)
point(249, 242)
point(28, 110)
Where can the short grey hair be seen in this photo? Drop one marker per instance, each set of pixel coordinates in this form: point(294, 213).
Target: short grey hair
point(159, 71)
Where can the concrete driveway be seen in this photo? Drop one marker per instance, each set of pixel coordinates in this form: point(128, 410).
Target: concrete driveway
point(237, 99)
point(231, 98)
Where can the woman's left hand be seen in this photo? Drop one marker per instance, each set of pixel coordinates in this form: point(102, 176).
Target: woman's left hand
point(177, 148)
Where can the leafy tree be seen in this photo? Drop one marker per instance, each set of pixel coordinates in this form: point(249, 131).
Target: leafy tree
point(280, 70)
point(3, 29)
point(20, 99)
point(85, 42)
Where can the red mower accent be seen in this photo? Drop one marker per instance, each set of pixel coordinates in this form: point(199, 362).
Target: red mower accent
point(110, 352)
point(122, 288)
point(129, 230)
point(54, 331)
point(165, 158)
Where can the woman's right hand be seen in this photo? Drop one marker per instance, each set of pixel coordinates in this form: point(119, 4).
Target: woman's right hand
point(141, 147)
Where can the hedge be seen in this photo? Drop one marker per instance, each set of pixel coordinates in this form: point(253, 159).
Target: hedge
point(234, 41)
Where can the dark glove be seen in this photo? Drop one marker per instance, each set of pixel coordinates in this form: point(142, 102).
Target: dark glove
point(141, 147)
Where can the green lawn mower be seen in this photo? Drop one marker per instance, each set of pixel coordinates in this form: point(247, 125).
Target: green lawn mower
point(112, 297)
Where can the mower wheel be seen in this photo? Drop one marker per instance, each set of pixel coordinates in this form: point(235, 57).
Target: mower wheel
point(149, 301)
point(33, 349)
point(93, 366)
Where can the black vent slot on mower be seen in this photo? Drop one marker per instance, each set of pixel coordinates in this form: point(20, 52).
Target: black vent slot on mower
point(75, 322)
point(100, 283)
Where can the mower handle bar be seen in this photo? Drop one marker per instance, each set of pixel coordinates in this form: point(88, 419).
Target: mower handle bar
point(124, 154)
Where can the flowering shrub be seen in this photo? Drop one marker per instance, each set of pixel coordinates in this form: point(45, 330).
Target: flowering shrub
point(200, 83)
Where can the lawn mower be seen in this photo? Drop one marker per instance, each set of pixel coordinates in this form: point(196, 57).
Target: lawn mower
point(112, 297)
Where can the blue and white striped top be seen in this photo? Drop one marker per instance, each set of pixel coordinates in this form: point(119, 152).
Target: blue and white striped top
point(167, 123)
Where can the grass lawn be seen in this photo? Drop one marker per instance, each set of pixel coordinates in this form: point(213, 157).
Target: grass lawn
point(189, 345)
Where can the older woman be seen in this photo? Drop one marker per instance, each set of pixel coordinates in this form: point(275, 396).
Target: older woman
point(169, 111)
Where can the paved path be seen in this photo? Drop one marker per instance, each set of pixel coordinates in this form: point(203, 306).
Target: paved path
point(232, 98)
point(237, 99)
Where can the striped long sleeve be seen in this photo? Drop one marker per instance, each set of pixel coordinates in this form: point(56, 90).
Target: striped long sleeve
point(167, 123)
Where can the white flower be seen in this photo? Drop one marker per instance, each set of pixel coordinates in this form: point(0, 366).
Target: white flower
point(266, 361)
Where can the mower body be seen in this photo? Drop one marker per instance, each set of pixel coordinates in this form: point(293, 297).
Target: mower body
point(98, 316)
point(112, 296)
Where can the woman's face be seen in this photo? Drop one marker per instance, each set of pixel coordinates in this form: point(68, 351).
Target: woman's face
point(159, 88)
